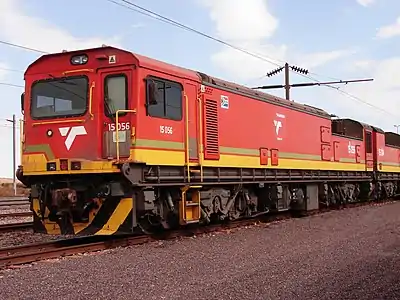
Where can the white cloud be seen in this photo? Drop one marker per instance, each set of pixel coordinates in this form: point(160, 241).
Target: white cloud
point(18, 27)
point(249, 25)
point(233, 19)
point(366, 2)
point(389, 31)
point(317, 59)
point(244, 17)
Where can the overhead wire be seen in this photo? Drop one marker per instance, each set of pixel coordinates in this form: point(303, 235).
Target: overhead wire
point(12, 85)
point(147, 12)
point(22, 47)
point(154, 15)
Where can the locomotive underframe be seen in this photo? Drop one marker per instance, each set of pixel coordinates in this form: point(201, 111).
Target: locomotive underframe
point(225, 193)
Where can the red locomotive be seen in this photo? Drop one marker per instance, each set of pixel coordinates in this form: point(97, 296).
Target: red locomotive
point(114, 141)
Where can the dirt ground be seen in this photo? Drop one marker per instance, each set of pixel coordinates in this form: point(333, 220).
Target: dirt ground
point(7, 189)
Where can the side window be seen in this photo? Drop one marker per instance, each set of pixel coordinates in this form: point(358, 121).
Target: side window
point(164, 99)
point(368, 142)
point(115, 94)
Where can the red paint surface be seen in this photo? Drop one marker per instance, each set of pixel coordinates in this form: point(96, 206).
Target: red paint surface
point(248, 123)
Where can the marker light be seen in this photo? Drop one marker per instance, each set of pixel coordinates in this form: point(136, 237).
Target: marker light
point(63, 164)
point(79, 59)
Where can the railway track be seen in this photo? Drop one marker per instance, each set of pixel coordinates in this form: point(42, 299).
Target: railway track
point(34, 252)
point(13, 201)
point(15, 226)
point(16, 214)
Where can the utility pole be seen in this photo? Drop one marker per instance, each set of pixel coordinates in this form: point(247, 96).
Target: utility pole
point(14, 122)
point(397, 128)
point(287, 84)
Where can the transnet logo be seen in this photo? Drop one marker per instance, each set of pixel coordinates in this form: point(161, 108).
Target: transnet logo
point(71, 133)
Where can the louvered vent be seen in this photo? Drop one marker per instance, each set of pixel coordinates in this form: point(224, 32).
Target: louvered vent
point(211, 130)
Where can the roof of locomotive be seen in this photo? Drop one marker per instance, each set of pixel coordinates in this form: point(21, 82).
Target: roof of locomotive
point(148, 62)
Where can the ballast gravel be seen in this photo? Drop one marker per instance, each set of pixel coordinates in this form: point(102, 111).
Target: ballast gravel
point(23, 237)
point(348, 254)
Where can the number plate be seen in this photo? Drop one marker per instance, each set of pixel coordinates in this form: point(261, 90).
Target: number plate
point(121, 136)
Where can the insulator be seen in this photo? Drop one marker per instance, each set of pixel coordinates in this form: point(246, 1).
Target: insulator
point(276, 71)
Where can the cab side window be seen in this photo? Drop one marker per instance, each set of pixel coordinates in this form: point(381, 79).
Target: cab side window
point(164, 99)
point(115, 93)
point(368, 142)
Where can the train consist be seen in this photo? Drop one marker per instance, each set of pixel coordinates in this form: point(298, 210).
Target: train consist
point(115, 142)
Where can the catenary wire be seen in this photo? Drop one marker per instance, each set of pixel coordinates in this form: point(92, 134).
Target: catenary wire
point(147, 12)
point(154, 15)
point(12, 85)
point(22, 47)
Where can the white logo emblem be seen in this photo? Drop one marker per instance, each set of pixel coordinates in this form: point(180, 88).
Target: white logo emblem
point(278, 125)
point(71, 133)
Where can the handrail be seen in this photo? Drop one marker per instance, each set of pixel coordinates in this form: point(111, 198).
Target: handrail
point(92, 86)
point(21, 138)
point(200, 138)
point(58, 122)
point(116, 125)
point(187, 135)
point(77, 71)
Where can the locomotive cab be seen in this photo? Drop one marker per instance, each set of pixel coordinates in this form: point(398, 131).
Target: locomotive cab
point(71, 105)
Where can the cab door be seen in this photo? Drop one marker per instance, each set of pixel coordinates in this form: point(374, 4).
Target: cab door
point(193, 111)
point(369, 156)
point(116, 91)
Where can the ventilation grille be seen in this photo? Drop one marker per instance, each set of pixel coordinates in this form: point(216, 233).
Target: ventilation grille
point(211, 130)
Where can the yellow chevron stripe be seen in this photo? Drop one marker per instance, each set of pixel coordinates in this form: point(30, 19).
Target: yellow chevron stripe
point(119, 215)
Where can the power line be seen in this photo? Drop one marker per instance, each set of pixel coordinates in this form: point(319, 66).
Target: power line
point(10, 84)
point(154, 15)
point(147, 12)
point(22, 47)
point(11, 70)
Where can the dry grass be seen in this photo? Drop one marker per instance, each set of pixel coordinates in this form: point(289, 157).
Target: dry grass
point(7, 190)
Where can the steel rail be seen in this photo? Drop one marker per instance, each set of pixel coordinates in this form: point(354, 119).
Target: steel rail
point(16, 214)
point(13, 203)
point(15, 226)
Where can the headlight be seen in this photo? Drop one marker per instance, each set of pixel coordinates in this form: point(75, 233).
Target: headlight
point(79, 59)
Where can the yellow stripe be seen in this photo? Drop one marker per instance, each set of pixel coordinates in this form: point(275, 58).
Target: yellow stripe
point(391, 169)
point(40, 148)
point(35, 164)
point(160, 157)
point(117, 218)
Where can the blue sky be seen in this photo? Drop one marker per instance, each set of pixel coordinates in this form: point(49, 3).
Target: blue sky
point(342, 39)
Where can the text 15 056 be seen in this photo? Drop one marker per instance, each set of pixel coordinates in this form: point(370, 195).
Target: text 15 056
point(166, 129)
point(121, 126)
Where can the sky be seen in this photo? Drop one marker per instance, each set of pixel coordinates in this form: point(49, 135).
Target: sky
point(334, 40)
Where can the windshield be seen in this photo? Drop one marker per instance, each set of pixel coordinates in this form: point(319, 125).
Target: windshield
point(59, 97)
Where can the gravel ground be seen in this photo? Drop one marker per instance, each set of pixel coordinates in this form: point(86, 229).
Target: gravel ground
point(351, 254)
point(8, 220)
point(22, 237)
point(19, 237)
point(12, 220)
point(9, 209)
